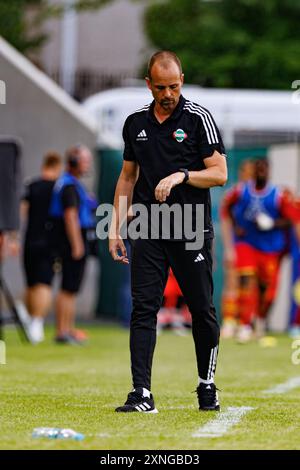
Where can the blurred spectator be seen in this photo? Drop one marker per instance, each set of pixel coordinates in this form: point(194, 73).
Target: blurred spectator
point(294, 239)
point(231, 277)
point(259, 214)
point(174, 313)
point(37, 257)
point(91, 236)
point(9, 244)
point(70, 210)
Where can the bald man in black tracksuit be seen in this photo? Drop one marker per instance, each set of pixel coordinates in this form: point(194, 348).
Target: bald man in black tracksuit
point(173, 154)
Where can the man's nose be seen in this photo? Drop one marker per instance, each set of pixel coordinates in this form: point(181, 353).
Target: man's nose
point(168, 93)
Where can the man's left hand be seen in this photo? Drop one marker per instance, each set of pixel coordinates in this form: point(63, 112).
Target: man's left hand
point(163, 189)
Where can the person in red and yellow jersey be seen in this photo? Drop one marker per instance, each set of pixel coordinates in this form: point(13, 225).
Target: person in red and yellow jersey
point(259, 214)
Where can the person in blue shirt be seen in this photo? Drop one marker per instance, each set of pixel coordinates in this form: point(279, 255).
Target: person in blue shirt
point(72, 217)
point(259, 214)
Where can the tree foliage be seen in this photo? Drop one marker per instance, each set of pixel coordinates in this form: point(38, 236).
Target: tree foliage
point(25, 31)
point(15, 28)
point(230, 43)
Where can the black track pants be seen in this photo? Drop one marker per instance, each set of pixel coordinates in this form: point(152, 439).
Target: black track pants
point(150, 262)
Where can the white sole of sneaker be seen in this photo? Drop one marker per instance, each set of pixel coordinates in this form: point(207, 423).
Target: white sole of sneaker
point(151, 411)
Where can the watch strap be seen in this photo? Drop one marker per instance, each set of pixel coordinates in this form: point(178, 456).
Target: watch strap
point(186, 174)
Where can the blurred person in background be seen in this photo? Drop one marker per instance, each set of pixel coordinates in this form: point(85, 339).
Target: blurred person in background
point(38, 260)
point(230, 292)
point(91, 236)
point(260, 214)
point(174, 313)
point(9, 244)
point(70, 210)
point(294, 251)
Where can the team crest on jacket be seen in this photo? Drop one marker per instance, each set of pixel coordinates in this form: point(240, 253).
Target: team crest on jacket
point(179, 135)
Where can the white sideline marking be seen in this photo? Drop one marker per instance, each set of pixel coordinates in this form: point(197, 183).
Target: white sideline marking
point(294, 382)
point(220, 425)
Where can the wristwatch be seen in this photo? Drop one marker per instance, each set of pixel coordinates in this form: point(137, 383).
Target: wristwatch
point(186, 174)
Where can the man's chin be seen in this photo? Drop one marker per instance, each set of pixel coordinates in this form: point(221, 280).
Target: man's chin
point(169, 106)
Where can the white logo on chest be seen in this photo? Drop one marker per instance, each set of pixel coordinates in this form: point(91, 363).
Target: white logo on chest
point(142, 135)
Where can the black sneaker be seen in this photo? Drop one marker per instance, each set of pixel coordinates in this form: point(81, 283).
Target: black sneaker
point(208, 397)
point(137, 401)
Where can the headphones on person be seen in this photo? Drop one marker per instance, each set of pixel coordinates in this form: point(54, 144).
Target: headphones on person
point(73, 156)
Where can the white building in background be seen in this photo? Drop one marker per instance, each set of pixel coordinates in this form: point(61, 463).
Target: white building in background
point(111, 44)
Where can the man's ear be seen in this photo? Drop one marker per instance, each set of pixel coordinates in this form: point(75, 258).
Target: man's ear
point(182, 78)
point(148, 81)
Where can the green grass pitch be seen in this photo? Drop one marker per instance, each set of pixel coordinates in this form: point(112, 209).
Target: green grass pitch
point(79, 387)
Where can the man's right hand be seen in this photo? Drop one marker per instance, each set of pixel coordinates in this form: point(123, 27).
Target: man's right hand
point(116, 245)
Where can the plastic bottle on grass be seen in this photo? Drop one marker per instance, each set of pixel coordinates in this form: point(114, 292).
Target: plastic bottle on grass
point(57, 433)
